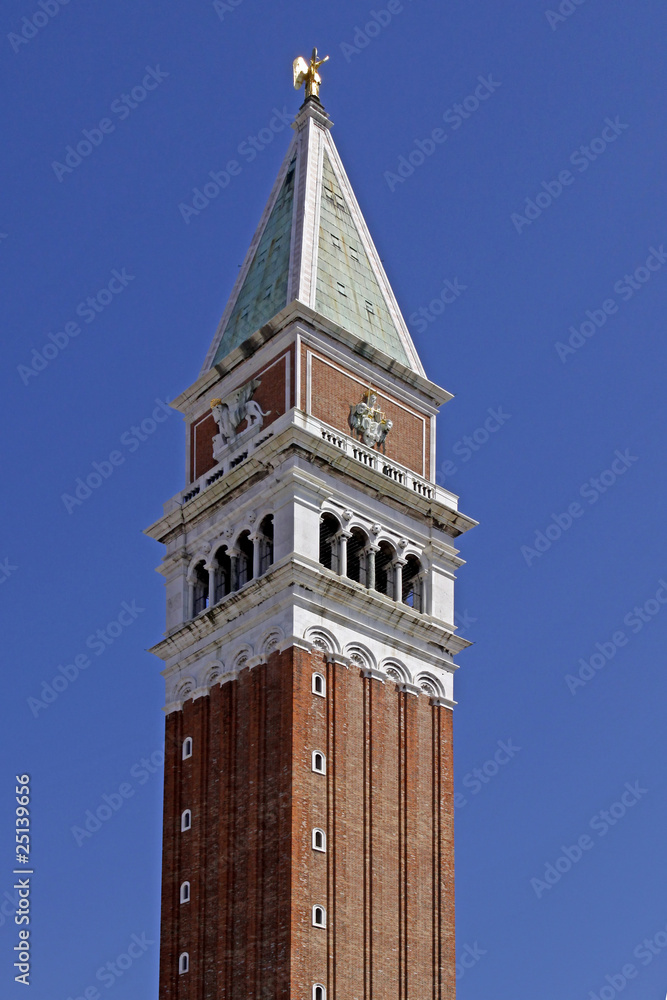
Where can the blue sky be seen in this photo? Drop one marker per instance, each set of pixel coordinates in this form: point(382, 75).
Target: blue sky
point(543, 205)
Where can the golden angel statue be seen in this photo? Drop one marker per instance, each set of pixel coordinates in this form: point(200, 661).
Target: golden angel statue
point(304, 72)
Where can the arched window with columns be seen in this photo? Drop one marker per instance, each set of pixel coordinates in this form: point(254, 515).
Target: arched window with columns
point(265, 542)
point(357, 556)
point(330, 542)
point(223, 574)
point(385, 559)
point(200, 584)
point(413, 584)
point(245, 559)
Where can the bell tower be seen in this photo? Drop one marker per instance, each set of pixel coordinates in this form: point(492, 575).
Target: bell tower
point(309, 649)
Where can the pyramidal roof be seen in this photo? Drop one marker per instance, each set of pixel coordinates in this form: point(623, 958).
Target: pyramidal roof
point(312, 246)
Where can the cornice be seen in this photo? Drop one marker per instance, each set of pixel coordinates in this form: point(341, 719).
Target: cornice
point(271, 455)
point(309, 584)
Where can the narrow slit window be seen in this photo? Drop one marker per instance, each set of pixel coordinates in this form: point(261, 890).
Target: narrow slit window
point(370, 309)
point(187, 747)
point(319, 840)
point(336, 241)
point(186, 820)
point(319, 916)
point(183, 963)
point(319, 685)
point(185, 892)
point(319, 992)
point(341, 289)
point(354, 254)
point(319, 762)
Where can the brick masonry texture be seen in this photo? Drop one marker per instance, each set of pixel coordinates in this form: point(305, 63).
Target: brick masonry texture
point(386, 804)
point(333, 392)
point(270, 395)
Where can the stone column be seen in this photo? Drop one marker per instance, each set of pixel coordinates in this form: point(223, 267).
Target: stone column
point(255, 554)
point(234, 572)
point(370, 582)
point(211, 568)
point(398, 579)
point(342, 552)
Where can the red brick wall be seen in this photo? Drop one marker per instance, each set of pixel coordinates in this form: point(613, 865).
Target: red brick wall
point(270, 395)
point(386, 804)
point(332, 392)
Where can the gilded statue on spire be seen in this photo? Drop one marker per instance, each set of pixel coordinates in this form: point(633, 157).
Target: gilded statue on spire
point(304, 72)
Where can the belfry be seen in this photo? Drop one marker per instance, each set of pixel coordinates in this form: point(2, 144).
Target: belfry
point(309, 648)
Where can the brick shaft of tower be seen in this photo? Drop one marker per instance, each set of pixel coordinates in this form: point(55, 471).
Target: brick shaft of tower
point(386, 804)
point(309, 651)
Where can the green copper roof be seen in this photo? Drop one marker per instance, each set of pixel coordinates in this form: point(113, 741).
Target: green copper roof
point(264, 291)
point(347, 290)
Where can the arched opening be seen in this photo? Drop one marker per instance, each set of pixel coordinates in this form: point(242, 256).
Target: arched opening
point(319, 762)
point(384, 569)
point(319, 916)
point(265, 543)
point(200, 589)
point(187, 747)
point(223, 574)
point(184, 963)
point(186, 820)
point(245, 558)
point(357, 556)
point(319, 992)
point(185, 892)
point(329, 545)
point(319, 840)
point(413, 584)
point(319, 685)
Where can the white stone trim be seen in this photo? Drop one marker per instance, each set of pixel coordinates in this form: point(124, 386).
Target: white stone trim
point(249, 257)
point(373, 256)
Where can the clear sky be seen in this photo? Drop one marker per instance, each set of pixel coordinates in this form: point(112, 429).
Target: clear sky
point(543, 206)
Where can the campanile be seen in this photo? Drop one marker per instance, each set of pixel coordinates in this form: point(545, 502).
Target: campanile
point(309, 648)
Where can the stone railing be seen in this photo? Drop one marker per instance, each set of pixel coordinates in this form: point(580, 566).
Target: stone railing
point(246, 444)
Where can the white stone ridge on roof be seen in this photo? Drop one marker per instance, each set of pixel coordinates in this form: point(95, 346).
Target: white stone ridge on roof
point(313, 246)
